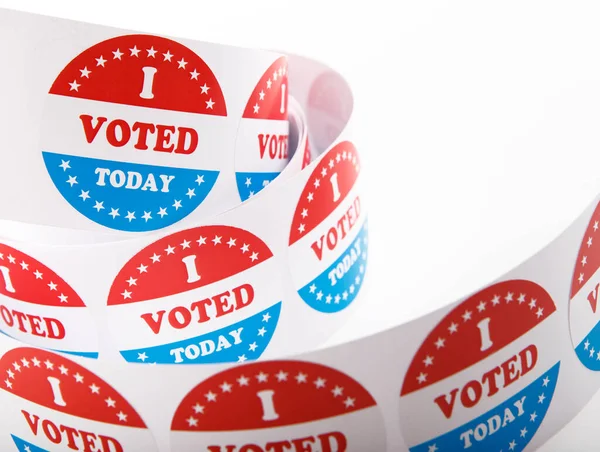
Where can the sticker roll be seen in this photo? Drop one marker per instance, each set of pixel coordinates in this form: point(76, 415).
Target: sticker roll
point(194, 228)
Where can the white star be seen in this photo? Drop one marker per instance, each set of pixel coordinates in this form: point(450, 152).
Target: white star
point(253, 347)
point(95, 389)
point(155, 258)
point(162, 211)
point(320, 383)
point(85, 73)
point(440, 343)
point(209, 104)
point(546, 381)
point(231, 242)
point(100, 61)
point(194, 75)
point(38, 274)
point(428, 361)
point(192, 421)
point(584, 260)
point(453, 328)
point(142, 356)
point(72, 180)
point(262, 331)
point(200, 179)
point(337, 391)
point(304, 213)
point(301, 228)
point(256, 108)
point(300, 378)
point(114, 213)
point(225, 387)
point(533, 416)
point(262, 377)
point(122, 416)
point(99, 205)
point(182, 64)
point(422, 378)
point(11, 259)
point(481, 306)
point(63, 298)
point(24, 265)
point(266, 317)
point(540, 312)
point(143, 268)
point(523, 432)
point(349, 402)
point(281, 376)
point(191, 192)
point(130, 216)
point(65, 165)
point(78, 377)
point(512, 445)
point(269, 83)
point(261, 95)
point(243, 381)
point(509, 297)
point(110, 402)
point(254, 256)
point(242, 358)
point(532, 303)
point(84, 195)
point(170, 250)
point(432, 448)
point(132, 281)
point(216, 240)
point(204, 89)
point(126, 294)
point(185, 244)
point(310, 197)
point(74, 86)
point(151, 52)
point(496, 300)
point(245, 248)
point(201, 241)
point(177, 204)
point(167, 56)
point(466, 316)
point(541, 398)
point(248, 182)
point(52, 285)
point(134, 51)
point(117, 54)
point(198, 409)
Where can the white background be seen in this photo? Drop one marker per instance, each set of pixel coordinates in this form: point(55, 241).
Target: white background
point(480, 122)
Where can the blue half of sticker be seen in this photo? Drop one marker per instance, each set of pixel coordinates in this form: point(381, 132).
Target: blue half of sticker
point(129, 196)
point(508, 427)
point(588, 350)
point(240, 342)
point(249, 184)
point(337, 287)
point(24, 446)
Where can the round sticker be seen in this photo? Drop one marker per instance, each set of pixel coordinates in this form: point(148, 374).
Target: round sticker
point(129, 132)
point(39, 308)
point(584, 312)
point(51, 403)
point(485, 376)
point(273, 406)
point(197, 296)
point(328, 240)
point(262, 140)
